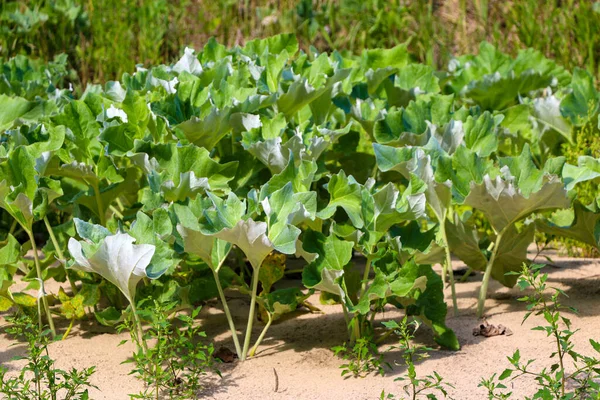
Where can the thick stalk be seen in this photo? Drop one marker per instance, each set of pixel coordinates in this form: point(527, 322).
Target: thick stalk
point(59, 253)
point(250, 314)
point(236, 341)
point(99, 204)
point(365, 279)
point(355, 330)
point(448, 267)
point(486, 277)
point(444, 272)
point(262, 335)
point(38, 270)
point(13, 226)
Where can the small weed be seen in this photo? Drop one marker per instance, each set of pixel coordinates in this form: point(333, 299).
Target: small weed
point(553, 382)
point(175, 365)
point(39, 379)
point(361, 359)
point(414, 387)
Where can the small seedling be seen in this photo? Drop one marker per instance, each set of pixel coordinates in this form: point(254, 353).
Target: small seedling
point(39, 379)
point(175, 366)
point(362, 358)
point(581, 381)
point(414, 386)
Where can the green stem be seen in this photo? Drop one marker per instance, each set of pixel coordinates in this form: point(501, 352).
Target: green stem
point(59, 253)
point(383, 337)
point(38, 270)
point(68, 329)
point(467, 274)
point(262, 335)
point(448, 266)
point(99, 204)
point(346, 316)
point(120, 204)
point(116, 212)
point(444, 272)
point(138, 325)
point(365, 279)
point(13, 226)
point(355, 330)
point(250, 314)
point(486, 276)
point(236, 341)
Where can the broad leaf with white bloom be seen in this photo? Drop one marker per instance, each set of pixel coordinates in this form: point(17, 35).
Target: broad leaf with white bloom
point(114, 257)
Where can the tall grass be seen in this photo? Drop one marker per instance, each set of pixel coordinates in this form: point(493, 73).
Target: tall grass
point(104, 38)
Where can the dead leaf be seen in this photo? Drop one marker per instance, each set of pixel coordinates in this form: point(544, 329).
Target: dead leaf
point(488, 330)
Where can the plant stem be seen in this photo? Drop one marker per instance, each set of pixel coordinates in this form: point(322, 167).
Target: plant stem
point(68, 329)
point(13, 226)
point(38, 270)
point(365, 279)
point(138, 324)
point(59, 253)
point(448, 266)
point(99, 204)
point(467, 274)
point(236, 341)
point(250, 313)
point(486, 276)
point(262, 335)
point(116, 212)
point(355, 330)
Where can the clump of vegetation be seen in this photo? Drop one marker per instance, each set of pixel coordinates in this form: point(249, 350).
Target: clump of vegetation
point(40, 379)
point(414, 386)
point(153, 32)
point(361, 359)
point(572, 375)
point(171, 359)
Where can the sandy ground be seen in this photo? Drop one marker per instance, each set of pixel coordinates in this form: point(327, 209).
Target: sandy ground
point(298, 348)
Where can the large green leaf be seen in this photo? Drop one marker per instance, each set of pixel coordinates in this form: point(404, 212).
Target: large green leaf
point(12, 108)
point(504, 203)
point(464, 243)
point(580, 223)
point(115, 258)
point(156, 231)
point(326, 272)
point(344, 192)
point(511, 254)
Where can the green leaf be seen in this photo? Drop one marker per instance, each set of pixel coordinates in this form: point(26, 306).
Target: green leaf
point(12, 108)
point(580, 223)
point(582, 103)
point(344, 192)
point(481, 135)
point(511, 254)
point(152, 231)
point(504, 203)
point(505, 374)
point(184, 171)
point(326, 271)
point(464, 243)
point(208, 131)
point(274, 44)
point(115, 258)
point(389, 282)
point(271, 271)
point(109, 316)
point(10, 252)
point(588, 168)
